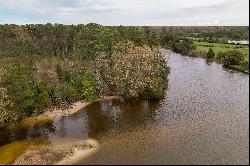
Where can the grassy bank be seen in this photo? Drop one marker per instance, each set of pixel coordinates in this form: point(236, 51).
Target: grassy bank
point(220, 48)
point(233, 56)
point(222, 53)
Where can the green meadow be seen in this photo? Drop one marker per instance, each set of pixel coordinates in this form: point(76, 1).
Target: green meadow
point(218, 47)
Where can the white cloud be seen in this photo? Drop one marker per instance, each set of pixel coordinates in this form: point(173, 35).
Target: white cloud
point(127, 12)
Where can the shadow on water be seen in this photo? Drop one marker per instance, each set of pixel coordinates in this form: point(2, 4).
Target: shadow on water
point(103, 117)
point(29, 133)
point(110, 115)
point(96, 119)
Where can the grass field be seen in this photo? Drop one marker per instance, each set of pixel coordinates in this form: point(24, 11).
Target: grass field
point(218, 47)
point(203, 47)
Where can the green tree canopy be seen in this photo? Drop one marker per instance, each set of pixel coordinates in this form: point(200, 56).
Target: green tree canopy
point(210, 53)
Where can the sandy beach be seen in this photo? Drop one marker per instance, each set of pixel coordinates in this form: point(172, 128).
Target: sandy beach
point(56, 112)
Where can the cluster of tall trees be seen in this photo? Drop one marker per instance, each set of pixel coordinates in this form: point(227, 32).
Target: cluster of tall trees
point(41, 39)
point(58, 39)
point(58, 64)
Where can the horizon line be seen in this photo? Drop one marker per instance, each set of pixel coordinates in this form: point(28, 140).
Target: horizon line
point(170, 25)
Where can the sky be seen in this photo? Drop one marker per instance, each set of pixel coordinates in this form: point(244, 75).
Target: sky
point(126, 12)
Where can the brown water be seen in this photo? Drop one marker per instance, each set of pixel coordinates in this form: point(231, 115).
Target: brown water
point(203, 119)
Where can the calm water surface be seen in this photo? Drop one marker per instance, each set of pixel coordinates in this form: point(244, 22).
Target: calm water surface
point(204, 119)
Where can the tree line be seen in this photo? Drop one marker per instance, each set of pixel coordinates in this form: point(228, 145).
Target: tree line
point(59, 39)
point(66, 40)
point(216, 32)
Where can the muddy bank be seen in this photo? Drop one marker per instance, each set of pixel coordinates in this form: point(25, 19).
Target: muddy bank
point(59, 154)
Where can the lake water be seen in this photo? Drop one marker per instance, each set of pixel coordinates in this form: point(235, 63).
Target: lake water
point(204, 119)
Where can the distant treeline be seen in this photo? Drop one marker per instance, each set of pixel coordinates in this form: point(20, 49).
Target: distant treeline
point(59, 39)
point(227, 32)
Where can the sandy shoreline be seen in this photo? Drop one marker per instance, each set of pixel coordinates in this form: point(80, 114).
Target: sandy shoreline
point(81, 154)
point(67, 152)
point(55, 113)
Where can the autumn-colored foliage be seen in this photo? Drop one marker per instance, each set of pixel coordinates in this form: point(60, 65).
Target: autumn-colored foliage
point(135, 71)
point(5, 102)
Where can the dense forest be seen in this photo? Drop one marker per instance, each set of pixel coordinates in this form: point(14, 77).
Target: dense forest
point(44, 65)
point(58, 39)
point(50, 64)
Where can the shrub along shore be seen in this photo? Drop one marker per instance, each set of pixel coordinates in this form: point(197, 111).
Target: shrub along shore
point(234, 57)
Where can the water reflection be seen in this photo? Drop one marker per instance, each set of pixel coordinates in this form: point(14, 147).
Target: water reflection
point(96, 119)
point(107, 116)
point(29, 133)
